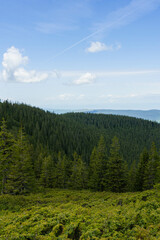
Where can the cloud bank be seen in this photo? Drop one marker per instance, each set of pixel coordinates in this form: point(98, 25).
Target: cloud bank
point(13, 70)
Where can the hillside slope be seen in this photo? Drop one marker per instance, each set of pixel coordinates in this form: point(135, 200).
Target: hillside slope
point(80, 132)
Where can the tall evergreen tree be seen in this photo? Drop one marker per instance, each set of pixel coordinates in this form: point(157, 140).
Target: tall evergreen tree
point(142, 170)
point(94, 171)
point(151, 171)
point(78, 178)
point(98, 166)
point(6, 152)
point(116, 168)
point(60, 171)
point(132, 177)
point(47, 177)
point(21, 176)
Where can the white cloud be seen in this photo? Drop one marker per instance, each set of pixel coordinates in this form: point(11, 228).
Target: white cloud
point(86, 78)
point(99, 47)
point(21, 75)
point(13, 58)
point(13, 71)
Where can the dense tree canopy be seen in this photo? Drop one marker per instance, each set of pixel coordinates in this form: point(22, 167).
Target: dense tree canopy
point(76, 151)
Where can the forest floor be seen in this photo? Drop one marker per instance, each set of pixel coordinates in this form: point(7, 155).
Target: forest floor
point(67, 214)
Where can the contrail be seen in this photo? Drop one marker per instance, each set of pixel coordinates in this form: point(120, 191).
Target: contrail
point(135, 7)
point(89, 36)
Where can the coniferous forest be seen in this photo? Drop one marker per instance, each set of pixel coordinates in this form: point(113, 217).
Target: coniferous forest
point(40, 149)
point(77, 176)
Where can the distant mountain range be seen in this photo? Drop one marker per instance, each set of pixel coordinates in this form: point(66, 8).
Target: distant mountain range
point(152, 115)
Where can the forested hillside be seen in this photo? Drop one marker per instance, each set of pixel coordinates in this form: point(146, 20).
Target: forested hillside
point(80, 132)
point(76, 150)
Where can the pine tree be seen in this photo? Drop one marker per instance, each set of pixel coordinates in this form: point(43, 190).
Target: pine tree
point(142, 170)
point(38, 156)
point(131, 186)
point(94, 171)
point(98, 166)
point(60, 171)
point(103, 161)
point(47, 177)
point(6, 152)
point(151, 172)
point(116, 168)
point(78, 178)
point(21, 177)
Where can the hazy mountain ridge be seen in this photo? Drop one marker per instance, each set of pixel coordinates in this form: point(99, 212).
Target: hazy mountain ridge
point(152, 115)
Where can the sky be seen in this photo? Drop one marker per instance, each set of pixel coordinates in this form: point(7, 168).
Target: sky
point(80, 54)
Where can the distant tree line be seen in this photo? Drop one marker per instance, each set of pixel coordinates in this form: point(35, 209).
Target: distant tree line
point(24, 169)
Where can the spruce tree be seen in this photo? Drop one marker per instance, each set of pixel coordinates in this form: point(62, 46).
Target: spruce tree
point(132, 177)
point(142, 170)
point(6, 155)
point(103, 161)
point(78, 178)
point(116, 168)
point(47, 177)
point(21, 177)
point(94, 171)
point(60, 171)
point(151, 172)
point(98, 166)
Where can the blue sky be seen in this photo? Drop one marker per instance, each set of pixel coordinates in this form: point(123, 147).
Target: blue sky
point(80, 54)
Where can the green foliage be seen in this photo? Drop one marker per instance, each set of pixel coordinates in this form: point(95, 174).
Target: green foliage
point(47, 173)
point(78, 178)
point(141, 171)
point(132, 178)
point(44, 156)
point(98, 166)
point(152, 169)
point(80, 132)
point(116, 168)
point(83, 215)
point(61, 171)
point(6, 153)
point(21, 175)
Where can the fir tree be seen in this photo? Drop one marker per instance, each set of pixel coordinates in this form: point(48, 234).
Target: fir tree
point(131, 186)
point(151, 172)
point(60, 171)
point(103, 161)
point(47, 177)
point(6, 152)
point(142, 170)
point(98, 166)
point(21, 177)
point(116, 168)
point(78, 178)
point(94, 171)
